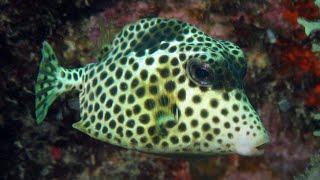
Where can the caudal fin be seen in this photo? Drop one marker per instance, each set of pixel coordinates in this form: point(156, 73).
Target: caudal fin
point(52, 81)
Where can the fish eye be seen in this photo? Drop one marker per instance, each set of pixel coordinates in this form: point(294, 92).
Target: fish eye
point(200, 72)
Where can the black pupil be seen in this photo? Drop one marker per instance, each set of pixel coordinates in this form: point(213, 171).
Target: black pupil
point(201, 73)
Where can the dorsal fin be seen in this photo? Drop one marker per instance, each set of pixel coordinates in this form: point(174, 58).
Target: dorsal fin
point(105, 49)
point(107, 32)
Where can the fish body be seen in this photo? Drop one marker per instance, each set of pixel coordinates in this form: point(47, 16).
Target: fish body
point(163, 87)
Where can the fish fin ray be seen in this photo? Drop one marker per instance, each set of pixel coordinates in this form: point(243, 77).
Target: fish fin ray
point(52, 81)
point(79, 126)
point(167, 120)
point(104, 52)
point(107, 31)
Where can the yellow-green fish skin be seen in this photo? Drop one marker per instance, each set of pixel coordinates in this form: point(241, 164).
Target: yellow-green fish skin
point(164, 87)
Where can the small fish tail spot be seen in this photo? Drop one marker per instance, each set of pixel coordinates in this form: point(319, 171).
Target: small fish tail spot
point(52, 81)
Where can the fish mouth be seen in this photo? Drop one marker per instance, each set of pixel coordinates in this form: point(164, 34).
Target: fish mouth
point(259, 150)
point(262, 146)
point(246, 149)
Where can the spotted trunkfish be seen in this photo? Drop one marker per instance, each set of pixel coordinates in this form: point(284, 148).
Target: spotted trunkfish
point(162, 87)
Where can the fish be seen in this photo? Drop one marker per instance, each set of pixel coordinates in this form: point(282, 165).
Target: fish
point(162, 87)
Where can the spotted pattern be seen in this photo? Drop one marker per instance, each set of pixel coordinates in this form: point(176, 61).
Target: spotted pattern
point(166, 87)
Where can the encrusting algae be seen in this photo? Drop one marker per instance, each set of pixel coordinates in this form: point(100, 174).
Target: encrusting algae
point(163, 87)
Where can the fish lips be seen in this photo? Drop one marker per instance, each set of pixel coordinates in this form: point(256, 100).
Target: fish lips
point(246, 147)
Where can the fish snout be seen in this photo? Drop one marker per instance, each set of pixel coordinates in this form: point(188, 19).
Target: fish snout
point(251, 147)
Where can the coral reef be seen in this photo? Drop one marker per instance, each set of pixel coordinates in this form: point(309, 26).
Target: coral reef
point(314, 98)
point(312, 171)
point(282, 83)
point(311, 27)
point(316, 117)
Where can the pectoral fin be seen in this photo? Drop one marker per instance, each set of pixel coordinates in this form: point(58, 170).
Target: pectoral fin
point(167, 119)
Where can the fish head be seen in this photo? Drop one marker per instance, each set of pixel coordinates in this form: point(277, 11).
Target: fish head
point(212, 104)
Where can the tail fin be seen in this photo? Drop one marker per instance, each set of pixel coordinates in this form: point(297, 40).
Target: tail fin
point(52, 81)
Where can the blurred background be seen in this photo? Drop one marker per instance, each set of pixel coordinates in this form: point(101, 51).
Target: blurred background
point(282, 83)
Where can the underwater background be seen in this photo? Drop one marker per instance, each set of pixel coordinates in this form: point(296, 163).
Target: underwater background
point(281, 39)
